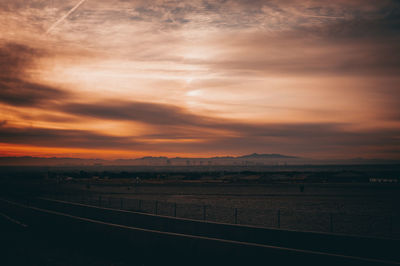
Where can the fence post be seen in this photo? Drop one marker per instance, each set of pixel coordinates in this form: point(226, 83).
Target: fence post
point(99, 201)
point(175, 209)
point(109, 202)
point(204, 212)
point(122, 204)
point(331, 222)
point(235, 215)
point(279, 218)
point(156, 207)
point(140, 205)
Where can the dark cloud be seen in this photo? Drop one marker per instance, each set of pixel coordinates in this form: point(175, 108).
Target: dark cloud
point(328, 143)
point(15, 87)
point(302, 53)
point(63, 138)
point(207, 135)
point(23, 93)
point(164, 116)
point(336, 141)
point(173, 123)
point(16, 58)
point(146, 112)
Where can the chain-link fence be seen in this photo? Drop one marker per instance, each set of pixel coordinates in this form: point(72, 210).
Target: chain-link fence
point(334, 222)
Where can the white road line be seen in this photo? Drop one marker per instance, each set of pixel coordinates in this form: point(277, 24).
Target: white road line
point(205, 238)
point(13, 220)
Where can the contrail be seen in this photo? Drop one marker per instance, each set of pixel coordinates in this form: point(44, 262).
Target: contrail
point(65, 16)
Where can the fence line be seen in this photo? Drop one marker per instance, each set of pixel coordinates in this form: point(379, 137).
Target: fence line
point(358, 224)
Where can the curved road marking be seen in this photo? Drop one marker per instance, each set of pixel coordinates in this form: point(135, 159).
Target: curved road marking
point(13, 220)
point(205, 238)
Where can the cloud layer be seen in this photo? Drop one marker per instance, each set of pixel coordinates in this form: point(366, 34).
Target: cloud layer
point(201, 77)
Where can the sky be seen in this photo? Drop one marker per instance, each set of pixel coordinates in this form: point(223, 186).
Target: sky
point(125, 79)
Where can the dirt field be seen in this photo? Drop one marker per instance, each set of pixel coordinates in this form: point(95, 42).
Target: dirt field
point(366, 209)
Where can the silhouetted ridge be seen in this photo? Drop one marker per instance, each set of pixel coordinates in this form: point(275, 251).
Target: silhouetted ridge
point(271, 155)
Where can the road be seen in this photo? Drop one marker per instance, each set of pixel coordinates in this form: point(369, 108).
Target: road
point(104, 235)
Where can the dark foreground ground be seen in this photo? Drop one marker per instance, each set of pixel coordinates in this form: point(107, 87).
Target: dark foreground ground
point(21, 245)
point(31, 237)
point(49, 232)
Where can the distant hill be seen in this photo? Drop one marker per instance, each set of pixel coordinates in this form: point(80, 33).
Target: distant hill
point(269, 156)
point(153, 158)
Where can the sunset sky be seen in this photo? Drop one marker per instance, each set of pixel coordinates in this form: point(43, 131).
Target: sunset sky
point(126, 79)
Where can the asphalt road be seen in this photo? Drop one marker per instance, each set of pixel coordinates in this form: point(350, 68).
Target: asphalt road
point(22, 245)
